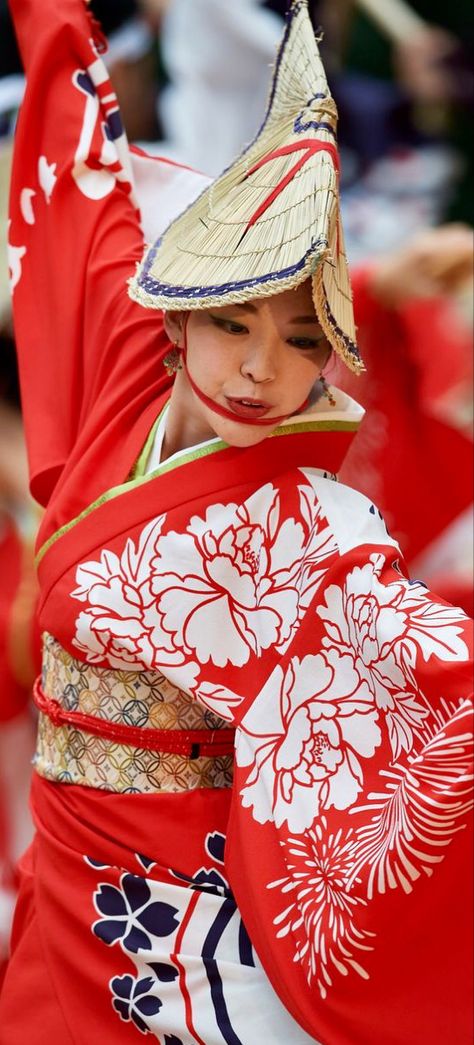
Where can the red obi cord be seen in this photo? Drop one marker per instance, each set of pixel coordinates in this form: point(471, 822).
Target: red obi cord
point(192, 743)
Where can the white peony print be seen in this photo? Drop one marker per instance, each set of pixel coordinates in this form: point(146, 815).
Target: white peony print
point(323, 722)
point(219, 699)
point(384, 628)
point(116, 591)
point(237, 582)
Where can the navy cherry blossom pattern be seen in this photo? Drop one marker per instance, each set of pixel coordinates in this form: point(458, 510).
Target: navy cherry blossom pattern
point(129, 916)
point(215, 846)
point(209, 880)
point(133, 1001)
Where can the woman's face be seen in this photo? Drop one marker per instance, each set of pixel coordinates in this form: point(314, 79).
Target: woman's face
point(257, 359)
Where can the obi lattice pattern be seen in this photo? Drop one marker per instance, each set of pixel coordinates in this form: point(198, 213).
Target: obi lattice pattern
point(141, 700)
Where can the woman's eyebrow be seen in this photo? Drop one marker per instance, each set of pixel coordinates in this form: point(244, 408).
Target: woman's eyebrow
point(244, 306)
point(305, 319)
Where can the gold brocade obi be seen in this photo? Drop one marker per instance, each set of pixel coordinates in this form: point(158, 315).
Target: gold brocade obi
point(123, 731)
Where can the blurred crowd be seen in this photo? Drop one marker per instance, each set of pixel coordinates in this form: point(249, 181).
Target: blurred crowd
point(192, 78)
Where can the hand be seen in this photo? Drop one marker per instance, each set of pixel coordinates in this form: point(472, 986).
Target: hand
point(436, 262)
point(421, 62)
point(154, 10)
point(13, 462)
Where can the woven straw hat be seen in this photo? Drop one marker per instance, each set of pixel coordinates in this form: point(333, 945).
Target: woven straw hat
point(272, 219)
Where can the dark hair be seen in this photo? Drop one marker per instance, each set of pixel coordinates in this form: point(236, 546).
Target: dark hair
point(9, 384)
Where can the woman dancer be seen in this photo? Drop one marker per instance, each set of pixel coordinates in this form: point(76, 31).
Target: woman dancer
point(216, 606)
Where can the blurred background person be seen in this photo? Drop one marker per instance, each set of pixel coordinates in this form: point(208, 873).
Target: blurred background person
point(132, 56)
point(218, 59)
point(404, 85)
point(414, 451)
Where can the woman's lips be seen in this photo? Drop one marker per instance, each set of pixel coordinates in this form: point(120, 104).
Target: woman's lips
point(248, 407)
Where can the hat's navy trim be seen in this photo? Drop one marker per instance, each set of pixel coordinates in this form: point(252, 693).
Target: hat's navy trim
point(315, 125)
point(290, 15)
point(155, 287)
point(349, 343)
point(322, 126)
point(158, 289)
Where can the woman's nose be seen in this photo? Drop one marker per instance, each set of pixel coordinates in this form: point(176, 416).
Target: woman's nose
point(260, 361)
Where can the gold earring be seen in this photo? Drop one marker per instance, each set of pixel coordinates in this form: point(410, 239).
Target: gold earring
point(172, 361)
point(327, 391)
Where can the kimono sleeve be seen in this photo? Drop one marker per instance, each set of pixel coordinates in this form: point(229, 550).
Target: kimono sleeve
point(348, 850)
point(74, 236)
point(413, 649)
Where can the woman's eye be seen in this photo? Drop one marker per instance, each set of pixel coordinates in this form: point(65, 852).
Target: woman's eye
point(307, 342)
point(229, 326)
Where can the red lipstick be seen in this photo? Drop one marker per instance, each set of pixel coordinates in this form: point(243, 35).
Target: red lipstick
point(248, 407)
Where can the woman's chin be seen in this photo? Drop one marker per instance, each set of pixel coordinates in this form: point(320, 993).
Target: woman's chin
point(237, 433)
point(250, 437)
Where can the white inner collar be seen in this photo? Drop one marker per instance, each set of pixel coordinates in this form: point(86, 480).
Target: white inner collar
point(346, 409)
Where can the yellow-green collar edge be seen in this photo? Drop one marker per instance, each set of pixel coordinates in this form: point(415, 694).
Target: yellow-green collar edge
point(194, 455)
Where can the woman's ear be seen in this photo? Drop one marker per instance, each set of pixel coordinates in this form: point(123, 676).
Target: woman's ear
point(173, 323)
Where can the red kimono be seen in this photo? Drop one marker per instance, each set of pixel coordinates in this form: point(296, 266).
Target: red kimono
point(19, 649)
point(253, 756)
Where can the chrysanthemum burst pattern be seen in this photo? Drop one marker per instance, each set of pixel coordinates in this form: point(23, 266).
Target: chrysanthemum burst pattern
point(322, 906)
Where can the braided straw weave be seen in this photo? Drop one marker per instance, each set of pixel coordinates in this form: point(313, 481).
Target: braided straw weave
point(272, 219)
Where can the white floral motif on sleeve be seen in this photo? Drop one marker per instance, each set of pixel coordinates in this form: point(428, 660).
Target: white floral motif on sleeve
point(238, 581)
point(234, 584)
point(116, 591)
point(322, 906)
point(309, 730)
point(323, 721)
point(405, 831)
point(384, 628)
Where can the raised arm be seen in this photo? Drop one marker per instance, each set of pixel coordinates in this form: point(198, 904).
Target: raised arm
point(74, 238)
